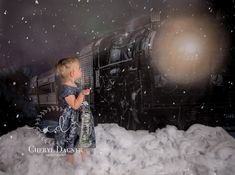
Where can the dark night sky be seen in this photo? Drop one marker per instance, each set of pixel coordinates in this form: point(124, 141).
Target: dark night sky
point(36, 33)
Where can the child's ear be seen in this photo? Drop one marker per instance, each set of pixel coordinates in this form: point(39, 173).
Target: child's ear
point(71, 73)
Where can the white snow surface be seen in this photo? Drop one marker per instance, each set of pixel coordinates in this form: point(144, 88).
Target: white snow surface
point(200, 150)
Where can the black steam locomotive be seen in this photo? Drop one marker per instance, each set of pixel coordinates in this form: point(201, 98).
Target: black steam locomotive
point(127, 90)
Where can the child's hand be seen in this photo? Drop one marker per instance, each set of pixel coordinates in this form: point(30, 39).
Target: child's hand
point(86, 91)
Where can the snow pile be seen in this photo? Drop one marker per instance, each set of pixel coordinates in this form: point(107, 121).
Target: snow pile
point(200, 150)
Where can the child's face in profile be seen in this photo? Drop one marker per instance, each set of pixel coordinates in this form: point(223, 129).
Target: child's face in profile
point(77, 71)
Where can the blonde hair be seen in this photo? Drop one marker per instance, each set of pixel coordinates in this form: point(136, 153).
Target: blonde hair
point(65, 65)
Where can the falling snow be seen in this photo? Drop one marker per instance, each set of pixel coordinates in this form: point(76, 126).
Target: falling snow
point(5, 12)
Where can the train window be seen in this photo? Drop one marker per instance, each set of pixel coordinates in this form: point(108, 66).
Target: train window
point(127, 53)
point(45, 89)
point(32, 90)
point(115, 55)
point(104, 58)
point(53, 87)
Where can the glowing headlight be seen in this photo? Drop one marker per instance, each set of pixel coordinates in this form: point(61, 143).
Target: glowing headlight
point(188, 50)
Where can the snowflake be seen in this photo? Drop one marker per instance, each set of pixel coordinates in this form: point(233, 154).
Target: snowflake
point(210, 9)
point(230, 83)
point(45, 130)
point(5, 12)
point(17, 116)
point(14, 83)
point(36, 2)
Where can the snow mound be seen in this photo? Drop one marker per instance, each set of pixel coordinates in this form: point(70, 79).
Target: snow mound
point(200, 150)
